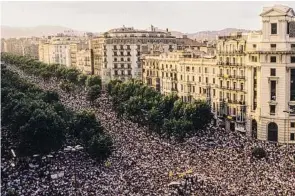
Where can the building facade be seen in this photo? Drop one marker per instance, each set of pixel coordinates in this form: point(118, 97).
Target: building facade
point(117, 53)
point(250, 84)
point(21, 46)
point(84, 61)
point(61, 49)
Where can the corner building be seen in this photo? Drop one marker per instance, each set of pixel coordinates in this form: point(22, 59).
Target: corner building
point(117, 53)
point(250, 83)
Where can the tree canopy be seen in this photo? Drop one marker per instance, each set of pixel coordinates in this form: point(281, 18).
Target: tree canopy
point(166, 115)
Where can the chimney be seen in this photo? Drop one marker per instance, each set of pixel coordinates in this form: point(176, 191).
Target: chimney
point(167, 30)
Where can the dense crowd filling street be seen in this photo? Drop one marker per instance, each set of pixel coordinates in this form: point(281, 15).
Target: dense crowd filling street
point(217, 163)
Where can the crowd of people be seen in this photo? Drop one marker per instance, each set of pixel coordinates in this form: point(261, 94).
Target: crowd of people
point(216, 163)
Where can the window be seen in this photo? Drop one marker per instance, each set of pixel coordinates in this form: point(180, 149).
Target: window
point(292, 60)
point(193, 78)
point(272, 109)
point(292, 124)
point(254, 45)
point(292, 85)
point(122, 65)
point(213, 70)
point(200, 79)
point(273, 86)
point(273, 59)
point(213, 80)
point(292, 136)
point(214, 93)
point(292, 46)
point(273, 46)
point(242, 86)
point(129, 72)
point(122, 53)
point(206, 70)
point(272, 72)
point(200, 90)
point(273, 28)
point(116, 72)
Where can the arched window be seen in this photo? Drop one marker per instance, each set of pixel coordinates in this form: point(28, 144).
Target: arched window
point(272, 132)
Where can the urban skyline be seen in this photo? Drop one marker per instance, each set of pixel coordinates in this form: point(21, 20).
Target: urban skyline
point(187, 17)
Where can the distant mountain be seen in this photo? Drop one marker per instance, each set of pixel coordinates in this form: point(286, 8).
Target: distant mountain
point(210, 35)
point(38, 31)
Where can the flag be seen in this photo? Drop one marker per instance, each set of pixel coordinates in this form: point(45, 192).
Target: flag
point(189, 171)
point(107, 163)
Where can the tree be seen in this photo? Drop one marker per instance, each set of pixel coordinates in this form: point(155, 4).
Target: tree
point(85, 125)
point(93, 93)
point(101, 146)
point(82, 79)
point(45, 74)
point(93, 80)
point(50, 96)
point(12, 192)
point(72, 75)
point(67, 86)
point(258, 152)
point(43, 133)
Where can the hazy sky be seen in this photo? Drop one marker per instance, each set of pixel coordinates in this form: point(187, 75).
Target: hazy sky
point(187, 17)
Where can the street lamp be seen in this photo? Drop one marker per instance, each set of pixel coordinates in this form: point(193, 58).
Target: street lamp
point(74, 149)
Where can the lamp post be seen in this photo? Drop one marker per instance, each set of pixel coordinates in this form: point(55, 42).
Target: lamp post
point(74, 149)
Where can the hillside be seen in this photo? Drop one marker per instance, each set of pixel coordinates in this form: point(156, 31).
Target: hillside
point(38, 31)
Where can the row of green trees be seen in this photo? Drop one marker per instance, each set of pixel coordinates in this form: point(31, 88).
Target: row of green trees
point(166, 115)
point(70, 78)
point(39, 123)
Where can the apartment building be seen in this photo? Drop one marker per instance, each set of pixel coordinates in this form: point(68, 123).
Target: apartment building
point(61, 49)
point(117, 52)
point(231, 79)
point(84, 61)
point(21, 46)
point(249, 84)
point(271, 62)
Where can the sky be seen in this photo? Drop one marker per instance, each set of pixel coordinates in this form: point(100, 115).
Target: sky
point(187, 17)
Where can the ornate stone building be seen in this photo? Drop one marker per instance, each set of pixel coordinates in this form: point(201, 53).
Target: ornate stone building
point(250, 85)
point(117, 53)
